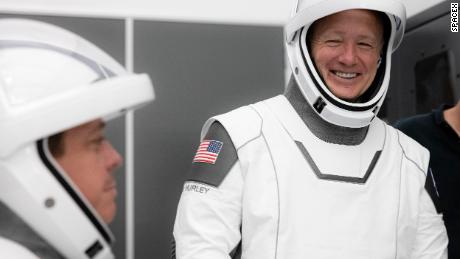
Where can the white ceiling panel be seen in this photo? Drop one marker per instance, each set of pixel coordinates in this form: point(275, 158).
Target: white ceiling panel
point(249, 12)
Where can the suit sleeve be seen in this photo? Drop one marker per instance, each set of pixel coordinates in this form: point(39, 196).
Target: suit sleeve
point(208, 218)
point(431, 237)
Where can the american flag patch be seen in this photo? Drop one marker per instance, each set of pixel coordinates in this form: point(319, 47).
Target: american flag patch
point(208, 151)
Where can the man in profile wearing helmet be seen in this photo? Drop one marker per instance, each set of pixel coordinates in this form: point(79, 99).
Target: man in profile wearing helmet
point(314, 173)
point(57, 188)
point(90, 161)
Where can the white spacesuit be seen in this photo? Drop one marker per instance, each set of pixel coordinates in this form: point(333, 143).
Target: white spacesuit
point(308, 174)
point(52, 80)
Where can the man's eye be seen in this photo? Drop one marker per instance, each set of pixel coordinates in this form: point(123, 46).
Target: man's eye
point(96, 144)
point(98, 140)
point(333, 43)
point(365, 45)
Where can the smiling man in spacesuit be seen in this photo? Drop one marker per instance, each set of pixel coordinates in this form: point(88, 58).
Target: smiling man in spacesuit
point(314, 173)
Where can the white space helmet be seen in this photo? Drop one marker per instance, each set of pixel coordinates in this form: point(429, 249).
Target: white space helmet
point(52, 80)
point(326, 104)
point(11, 249)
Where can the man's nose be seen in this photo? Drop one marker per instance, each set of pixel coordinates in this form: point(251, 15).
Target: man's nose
point(348, 55)
point(113, 158)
